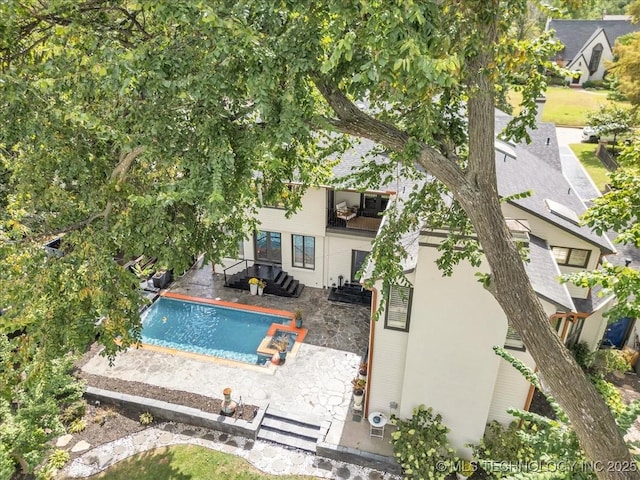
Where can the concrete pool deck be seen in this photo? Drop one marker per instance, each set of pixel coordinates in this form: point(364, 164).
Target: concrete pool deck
point(315, 383)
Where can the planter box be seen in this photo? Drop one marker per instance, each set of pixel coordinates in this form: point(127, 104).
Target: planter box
point(161, 279)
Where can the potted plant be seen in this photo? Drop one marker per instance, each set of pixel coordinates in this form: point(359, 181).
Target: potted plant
point(298, 318)
point(358, 391)
point(362, 371)
point(281, 344)
point(253, 285)
point(261, 286)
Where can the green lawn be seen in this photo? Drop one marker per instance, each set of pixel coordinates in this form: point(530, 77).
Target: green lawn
point(567, 106)
point(188, 462)
point(586, 153)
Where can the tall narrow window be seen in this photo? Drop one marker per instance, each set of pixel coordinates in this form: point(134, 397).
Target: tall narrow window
point(398, 309)
point(304, 251)
point(596, 55)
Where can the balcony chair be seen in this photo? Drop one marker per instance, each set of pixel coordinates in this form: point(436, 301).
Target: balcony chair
point(344, 212)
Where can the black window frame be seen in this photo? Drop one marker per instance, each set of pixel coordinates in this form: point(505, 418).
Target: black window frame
point(570, 250)
point(391, 297)
point(596, 56)
point(293, 247)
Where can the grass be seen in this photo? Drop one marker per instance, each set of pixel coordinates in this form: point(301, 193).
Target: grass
point(567, 106)
point(188, 462)
point(586, 153)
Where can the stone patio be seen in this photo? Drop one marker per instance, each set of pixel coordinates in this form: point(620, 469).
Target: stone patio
point(315, 382)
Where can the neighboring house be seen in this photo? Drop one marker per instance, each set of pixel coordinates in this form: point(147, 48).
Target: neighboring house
point(434, 343)
point(588, 44)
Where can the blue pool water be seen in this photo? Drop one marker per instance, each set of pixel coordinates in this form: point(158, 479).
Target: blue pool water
point(213, 330)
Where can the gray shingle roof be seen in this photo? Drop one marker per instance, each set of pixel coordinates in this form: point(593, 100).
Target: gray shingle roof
point(543, 272)
point(537, 168)
point(574, 33)
point(593, 301)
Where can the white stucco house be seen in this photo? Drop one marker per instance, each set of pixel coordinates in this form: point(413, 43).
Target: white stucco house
point(588, 44)
point(434, 343)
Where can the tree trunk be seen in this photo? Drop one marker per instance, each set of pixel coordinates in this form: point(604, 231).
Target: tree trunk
point(591, 419)
point(589, 416)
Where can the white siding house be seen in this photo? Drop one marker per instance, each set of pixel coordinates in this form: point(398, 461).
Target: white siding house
point(588, 45)
point(433, 344)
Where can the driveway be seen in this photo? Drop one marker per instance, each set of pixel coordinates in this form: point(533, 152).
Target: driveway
point(571, 166)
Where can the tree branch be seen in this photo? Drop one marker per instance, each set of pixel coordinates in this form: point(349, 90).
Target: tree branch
point(353, 121)
point(119, 174)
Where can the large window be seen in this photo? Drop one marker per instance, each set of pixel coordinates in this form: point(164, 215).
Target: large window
point(268, 247)
point(572, 257)
point(398, 309)
point(304, 251)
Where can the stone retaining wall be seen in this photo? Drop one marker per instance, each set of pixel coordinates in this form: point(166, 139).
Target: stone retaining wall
point(179, 413)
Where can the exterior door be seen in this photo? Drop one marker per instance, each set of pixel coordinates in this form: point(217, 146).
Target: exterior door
point(268, 247)
point(357, 259)
point(617, 333)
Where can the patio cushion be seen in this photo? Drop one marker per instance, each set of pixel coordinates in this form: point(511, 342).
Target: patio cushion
point(344, 212)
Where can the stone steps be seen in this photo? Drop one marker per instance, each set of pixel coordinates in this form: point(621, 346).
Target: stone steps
point(292, 430)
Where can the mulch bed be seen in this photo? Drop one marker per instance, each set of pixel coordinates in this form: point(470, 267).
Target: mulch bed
point(179, 397)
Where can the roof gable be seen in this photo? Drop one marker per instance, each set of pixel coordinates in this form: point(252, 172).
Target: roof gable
point(574, 34)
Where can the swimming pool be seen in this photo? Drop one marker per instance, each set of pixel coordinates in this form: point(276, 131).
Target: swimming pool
point(215, 330)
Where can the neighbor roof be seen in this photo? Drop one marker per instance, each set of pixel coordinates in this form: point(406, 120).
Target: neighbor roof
point(573, 34)
point(536, 168)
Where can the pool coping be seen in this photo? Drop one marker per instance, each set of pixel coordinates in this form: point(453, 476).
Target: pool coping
point(270, 367)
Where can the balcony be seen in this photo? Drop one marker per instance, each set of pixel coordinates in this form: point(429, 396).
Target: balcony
point(360, 222)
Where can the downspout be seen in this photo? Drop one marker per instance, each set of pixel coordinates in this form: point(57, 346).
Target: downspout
point(372, 328)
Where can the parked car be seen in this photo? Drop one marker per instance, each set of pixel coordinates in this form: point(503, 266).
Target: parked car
point(593, 135)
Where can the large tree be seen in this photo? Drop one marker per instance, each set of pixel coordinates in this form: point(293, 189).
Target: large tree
point(160, 126)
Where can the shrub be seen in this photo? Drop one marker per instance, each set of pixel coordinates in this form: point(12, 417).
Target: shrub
point(610, 394)
point(421, 446)
point(77, 425)
point(58, 458)
point(607, 361)
point(74, 411)
point(146, 418)
point(505, 443)
point(102, 416)
point(582, 354)
point(595, 84)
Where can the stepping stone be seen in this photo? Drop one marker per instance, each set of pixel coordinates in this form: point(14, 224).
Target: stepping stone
point(81, 446)
point(209, 436)
point(373, 475)
point(166, 438)
point(64, 440)
point(248, 445)
point(104, 460)
point(119, 450)
point(343, 472)
point(298, 459)
point(255, 456)
point(141, 438)
point(278, 465)
point(224, 437)
point(325, 465)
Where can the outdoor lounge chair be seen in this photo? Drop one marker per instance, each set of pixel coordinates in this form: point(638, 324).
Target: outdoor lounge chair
point(346, 213)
